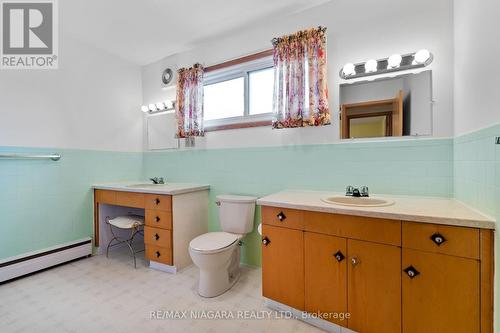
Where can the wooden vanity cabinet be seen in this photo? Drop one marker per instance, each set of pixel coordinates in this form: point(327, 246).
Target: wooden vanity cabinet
point(283, 265)
point(441, 293)
point(374, 287)
point(326, 274)
point(390, 276)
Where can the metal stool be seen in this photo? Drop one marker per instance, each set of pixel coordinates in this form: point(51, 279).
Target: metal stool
point(134, 223)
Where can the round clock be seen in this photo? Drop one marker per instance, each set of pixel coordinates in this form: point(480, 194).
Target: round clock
point(167, 76)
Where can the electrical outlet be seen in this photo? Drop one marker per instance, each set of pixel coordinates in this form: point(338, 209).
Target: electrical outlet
point(497, 140)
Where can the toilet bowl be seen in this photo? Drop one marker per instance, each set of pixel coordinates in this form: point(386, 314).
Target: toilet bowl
point(217, 254)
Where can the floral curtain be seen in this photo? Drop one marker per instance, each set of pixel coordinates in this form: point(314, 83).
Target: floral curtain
point(300, 80)
point(189, 103)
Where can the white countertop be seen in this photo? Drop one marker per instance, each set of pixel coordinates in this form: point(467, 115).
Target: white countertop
point(136, 186)
point(407, 208)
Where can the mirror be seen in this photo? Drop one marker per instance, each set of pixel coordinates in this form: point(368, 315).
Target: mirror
point(389, 106)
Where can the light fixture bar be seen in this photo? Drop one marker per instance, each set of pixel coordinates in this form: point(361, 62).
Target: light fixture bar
point(390, 64)
point(160, 107)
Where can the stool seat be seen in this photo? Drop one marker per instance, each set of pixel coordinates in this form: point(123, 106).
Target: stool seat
point(127, 222)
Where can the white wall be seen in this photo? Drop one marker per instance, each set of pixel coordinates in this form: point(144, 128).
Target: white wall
point(357, 30)
point(91, 102)
point(477, 68)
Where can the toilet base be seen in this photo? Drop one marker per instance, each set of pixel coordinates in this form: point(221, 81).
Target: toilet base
point(209, 289)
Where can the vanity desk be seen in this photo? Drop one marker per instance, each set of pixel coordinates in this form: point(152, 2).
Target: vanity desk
point(174, 214)
point(418, 265)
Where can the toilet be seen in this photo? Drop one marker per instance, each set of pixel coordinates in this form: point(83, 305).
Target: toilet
point(217, 254)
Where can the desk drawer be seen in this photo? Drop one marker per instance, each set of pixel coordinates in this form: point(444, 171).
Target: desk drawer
point(283, 217)
point(105, 197)
point(355, 227)
point(158, 237)
point(130, 199)
point(158, 202)
point(444, 239)
point(158, 254)
point(158, 219)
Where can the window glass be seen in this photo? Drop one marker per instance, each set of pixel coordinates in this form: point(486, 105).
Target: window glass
point(261, 91)
point(224, 99)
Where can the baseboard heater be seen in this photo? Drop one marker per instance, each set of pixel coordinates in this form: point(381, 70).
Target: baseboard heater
point(31, 262)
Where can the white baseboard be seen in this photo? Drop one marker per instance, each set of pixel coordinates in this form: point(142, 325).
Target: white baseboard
point(297, 314)
point(162, 267)
point(27, 263)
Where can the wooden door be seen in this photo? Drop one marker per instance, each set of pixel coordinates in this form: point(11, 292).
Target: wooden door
point(326, 276)
point(344, 130)
point(374, 287)
point(440, 293)
point(283, 265)
point(397, 115)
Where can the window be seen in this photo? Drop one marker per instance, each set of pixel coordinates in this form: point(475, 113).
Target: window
point(239, 93)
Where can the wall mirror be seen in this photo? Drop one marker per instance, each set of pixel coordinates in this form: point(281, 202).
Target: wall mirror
point(389, 106)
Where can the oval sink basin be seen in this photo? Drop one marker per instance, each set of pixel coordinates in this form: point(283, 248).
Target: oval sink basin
point(358, 201)
point(149, 185)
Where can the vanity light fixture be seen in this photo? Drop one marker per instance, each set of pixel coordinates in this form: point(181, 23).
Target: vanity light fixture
point(371, 66)
point(395, 62)
point(422, 56)
point(163, 107)
point(349, 69)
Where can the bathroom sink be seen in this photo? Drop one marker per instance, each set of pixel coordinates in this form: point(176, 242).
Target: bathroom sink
point(358, 201)
point(147, 185)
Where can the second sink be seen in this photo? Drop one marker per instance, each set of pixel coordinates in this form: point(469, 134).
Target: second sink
point(358, 201)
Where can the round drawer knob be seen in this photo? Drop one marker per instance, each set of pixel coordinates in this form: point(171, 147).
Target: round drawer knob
point(339, 256)
point(438, 239)
point(266, 241)
point(354, 261)
point(411, 272)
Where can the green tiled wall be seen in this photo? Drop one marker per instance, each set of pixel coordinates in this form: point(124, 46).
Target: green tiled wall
point(413, 167)
point(45, 203)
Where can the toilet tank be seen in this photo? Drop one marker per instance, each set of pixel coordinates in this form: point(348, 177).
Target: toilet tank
point(236, 213)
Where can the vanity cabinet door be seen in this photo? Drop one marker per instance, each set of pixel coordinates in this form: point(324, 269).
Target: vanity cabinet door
point(326, 276)
point(374, 287)
point(440, 293)
point(283, 265)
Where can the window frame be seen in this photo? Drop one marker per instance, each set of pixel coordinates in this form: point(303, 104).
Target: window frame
point(233, 69)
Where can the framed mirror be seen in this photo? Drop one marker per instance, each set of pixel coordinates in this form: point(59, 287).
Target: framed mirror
point(387, 107)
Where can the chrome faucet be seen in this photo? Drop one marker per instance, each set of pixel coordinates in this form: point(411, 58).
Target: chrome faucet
point(351, 191)
point(157, 180)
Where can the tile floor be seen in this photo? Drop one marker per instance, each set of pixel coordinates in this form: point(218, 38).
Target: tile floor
point(107, 295)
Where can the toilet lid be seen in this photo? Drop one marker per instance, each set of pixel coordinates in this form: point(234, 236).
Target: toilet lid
point(213, 241)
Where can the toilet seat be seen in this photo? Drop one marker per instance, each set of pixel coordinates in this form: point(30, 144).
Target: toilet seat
point(213, 242)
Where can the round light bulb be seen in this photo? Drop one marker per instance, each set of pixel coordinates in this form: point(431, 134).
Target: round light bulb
point(152, 107)
point(394, 61)
point(349, 69)
point(371, 66)
point(160, 106)
point(144, 108)
point(169, 104)
point(422, 56)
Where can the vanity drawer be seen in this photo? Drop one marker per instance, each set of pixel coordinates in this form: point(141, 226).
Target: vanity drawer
point(158, 219)
point(158, 237)
point(283, 217)
point(158, 202)
point(105, 197)
point(355, 227)
point(456, 241)
point(130, 199)
point(158, 254)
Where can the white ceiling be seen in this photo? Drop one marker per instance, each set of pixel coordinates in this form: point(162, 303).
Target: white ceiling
point(144, 31)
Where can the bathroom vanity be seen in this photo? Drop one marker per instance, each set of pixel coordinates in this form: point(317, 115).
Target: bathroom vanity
point(419, 265)
point(174, 214)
